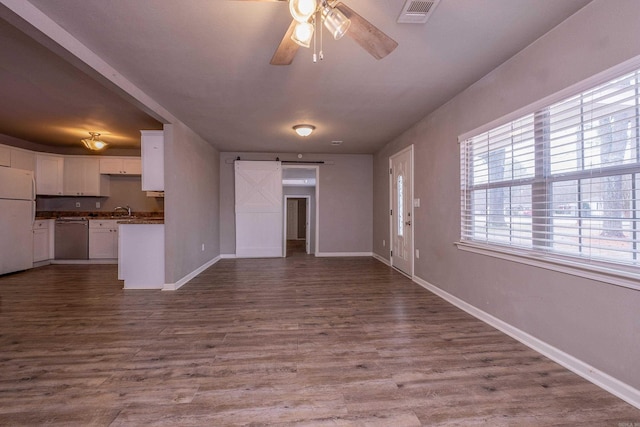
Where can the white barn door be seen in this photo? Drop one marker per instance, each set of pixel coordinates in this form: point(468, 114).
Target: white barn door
point(259, 218)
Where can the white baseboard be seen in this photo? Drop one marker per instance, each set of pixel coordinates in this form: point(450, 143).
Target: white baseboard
point(382, 260)
point(81, 261)
point(586, 371)
point(227, 256)
point(188, 277)
point(343, 254)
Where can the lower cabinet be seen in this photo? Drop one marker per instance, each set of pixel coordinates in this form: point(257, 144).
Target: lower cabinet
point(42, 240)
point(141, 262)
point(103, 239)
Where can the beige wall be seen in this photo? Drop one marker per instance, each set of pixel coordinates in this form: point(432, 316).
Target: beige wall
point(192, 175)
point(345, 200)
point(595, 322)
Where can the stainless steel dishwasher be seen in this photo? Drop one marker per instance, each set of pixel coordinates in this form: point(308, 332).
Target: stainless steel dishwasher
point(72, 238)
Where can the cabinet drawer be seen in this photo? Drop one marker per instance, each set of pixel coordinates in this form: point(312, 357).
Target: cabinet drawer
point(103, 223)
point(41, 224)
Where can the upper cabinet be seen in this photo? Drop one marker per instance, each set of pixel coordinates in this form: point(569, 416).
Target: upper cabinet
point(64, 175)
point(120, 166)
point(82, 177)
point(152, 145)
point(49, 174)
point(5, 156)
point(17, 158)
point(23, 159)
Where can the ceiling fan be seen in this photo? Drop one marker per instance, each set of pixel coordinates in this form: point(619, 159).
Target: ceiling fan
point(339, 19)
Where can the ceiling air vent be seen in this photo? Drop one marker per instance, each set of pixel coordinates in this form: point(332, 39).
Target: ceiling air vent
point(417, 12)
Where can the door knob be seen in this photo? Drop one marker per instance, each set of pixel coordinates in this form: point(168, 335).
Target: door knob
point(408, 223)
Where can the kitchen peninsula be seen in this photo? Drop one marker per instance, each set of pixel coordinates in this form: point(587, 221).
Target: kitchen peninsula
point(141, 253)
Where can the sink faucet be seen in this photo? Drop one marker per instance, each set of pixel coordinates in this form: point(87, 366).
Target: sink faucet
point(123, 208)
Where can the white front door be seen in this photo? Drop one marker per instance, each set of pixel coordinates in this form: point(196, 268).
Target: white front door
point(258, 209)
point(401, 175)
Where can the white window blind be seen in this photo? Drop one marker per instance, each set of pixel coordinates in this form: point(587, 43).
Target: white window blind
point(563, 180)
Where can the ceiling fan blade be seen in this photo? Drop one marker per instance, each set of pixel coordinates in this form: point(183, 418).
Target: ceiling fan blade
point(370, 38)
point(287, 48)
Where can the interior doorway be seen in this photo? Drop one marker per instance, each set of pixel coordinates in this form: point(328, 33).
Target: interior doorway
point(300, 205)
point(297, 225)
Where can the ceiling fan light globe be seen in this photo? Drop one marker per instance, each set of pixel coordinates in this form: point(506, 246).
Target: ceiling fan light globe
point(335, 22)
point(301, 10)
point(303, 34)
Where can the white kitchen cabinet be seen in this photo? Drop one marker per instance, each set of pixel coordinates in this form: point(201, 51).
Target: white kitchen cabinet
point(23, 159)
point(5, 156)
point(141, 262)
point(152, 147)
point(82, 177)
point(120, 165)
point(42, 240)
point(103, 239)
point(49, 174)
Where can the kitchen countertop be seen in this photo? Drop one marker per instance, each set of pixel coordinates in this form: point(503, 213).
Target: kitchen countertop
point(149, 220)
point(154, 217)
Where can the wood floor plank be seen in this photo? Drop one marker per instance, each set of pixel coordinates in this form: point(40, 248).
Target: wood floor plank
point(297, 341)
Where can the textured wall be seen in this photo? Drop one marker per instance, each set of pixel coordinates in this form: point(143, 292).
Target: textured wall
point(595, 322)
point(191, 202)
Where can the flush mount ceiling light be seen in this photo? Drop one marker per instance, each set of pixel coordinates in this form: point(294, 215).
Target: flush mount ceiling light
point(304, 130)
point(94, 143)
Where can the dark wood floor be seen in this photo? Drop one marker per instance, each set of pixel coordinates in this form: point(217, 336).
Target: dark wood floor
point(295, 341)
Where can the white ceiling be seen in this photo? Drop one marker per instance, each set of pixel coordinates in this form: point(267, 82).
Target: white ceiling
point(207, 63)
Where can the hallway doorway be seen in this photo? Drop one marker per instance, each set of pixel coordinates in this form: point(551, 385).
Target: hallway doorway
point(300, 204)
point(297, 225)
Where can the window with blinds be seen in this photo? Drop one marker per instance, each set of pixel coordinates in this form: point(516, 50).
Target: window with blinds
point(562, 180)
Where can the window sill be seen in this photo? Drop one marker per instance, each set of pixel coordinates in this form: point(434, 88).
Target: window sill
point(611, 274)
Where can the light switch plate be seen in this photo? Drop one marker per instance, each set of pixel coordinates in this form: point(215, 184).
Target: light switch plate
point(416, 203)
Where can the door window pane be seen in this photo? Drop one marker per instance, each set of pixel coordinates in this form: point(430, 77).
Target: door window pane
point(400, 207)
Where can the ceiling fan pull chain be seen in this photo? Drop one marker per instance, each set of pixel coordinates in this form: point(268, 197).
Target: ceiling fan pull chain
point(321, 34)
point(315, 38)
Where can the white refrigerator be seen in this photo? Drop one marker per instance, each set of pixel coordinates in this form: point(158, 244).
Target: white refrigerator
point(17, 213)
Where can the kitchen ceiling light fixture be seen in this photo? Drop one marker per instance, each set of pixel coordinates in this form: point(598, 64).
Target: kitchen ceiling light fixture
point(304, 130)
point(94, 143)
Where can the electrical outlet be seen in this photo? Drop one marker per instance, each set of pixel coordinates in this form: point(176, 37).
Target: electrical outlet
point(384, 243)
point(203, 247)
point(97, 205)
point(77, 204)
point(417, 253)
